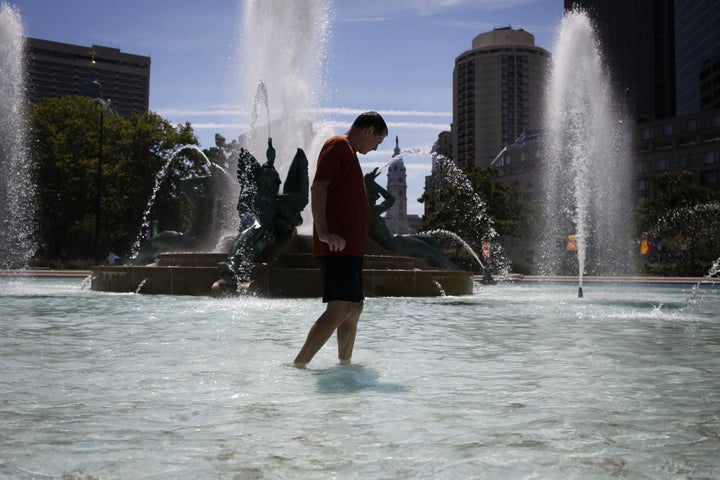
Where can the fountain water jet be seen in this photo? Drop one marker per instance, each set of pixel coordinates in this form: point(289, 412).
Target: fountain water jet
point(17, 187)
point(220, 184)
point(282, 61)
point(708, 278)
point(261, 97)
point(476, 219)
point(587, 171)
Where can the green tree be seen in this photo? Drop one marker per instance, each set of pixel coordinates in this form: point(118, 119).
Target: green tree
point(683, 223)
point(68, 148)
point(504, 202)
point(469, 203)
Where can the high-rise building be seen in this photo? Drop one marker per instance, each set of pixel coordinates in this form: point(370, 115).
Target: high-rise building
point(637, 37)
point(664, 56)
point(497, 93)
point(697, 55)
point(57, 69)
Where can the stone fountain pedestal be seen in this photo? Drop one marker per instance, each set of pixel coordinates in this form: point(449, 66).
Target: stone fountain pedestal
point(291, 272)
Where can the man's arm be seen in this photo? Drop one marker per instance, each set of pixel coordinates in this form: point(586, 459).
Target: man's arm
point(318, 205)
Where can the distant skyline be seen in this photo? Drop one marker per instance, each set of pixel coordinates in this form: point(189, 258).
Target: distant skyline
point(394, 57)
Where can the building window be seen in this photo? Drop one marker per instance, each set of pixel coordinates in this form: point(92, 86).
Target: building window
point(643, 184)
point(693, 125)
point(661, 164)
point(709, 178)
point(640, 167)
point(684, 161)
point(711, 158)
point(647, 133)
point(669, 130)
point(716, 121)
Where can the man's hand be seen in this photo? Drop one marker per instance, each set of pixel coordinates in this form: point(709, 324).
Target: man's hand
point(335, 242)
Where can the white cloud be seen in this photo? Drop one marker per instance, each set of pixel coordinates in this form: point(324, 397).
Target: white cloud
point(348, 12)
point(219, 126)
point(322, 110)
point(392, 125)
point(419, 125)
point(200, 112)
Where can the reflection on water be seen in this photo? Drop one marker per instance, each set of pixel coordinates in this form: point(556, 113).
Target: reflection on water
point(352, 378)
point(516, 381)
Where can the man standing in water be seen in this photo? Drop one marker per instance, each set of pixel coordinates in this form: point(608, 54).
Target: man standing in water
point(341, 220)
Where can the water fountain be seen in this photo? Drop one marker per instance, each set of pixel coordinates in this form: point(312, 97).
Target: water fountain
point(520, 380)
point(282, 60)
point(587, 171)
point(17, 187)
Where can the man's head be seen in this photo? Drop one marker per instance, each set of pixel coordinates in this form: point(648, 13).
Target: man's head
point(367, 132)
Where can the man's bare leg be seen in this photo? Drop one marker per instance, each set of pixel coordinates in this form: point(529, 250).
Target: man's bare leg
point(334, 315)
point(346, 334)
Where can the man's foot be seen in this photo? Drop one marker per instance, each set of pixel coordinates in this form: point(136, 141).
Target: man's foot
point(344, 361)
point(221, 288)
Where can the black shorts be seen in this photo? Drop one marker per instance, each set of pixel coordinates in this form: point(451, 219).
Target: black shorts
point(342, 278)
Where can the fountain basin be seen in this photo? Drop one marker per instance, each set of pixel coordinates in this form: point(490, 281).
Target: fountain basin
point(518, 380)
point(168, 280)
point(291, 273)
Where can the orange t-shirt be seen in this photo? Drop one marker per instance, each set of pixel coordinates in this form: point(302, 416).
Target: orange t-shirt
point(348, 210)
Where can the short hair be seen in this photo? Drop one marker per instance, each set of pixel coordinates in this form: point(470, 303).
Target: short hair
point(371, 119)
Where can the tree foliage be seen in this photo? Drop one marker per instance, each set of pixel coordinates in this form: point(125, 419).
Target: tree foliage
point(471, 204)
point(83, 154)
point(683, 224)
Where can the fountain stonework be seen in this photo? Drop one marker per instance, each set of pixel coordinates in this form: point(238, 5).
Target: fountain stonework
point(292, 272)
point(269, 257)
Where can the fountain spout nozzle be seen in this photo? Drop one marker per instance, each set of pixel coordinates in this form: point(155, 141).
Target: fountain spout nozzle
point(580, 294)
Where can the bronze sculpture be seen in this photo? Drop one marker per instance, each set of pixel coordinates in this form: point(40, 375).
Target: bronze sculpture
point(421, 246)
point(271, 218)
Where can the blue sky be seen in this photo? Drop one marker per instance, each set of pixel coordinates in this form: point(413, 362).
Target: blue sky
point(393, 56)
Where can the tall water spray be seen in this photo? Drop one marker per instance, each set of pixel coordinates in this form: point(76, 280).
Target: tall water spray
point(283, 48)
point(588, 168)
point(281, 63)
point(17, 185)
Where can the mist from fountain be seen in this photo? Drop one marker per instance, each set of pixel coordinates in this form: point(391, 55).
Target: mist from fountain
point(588, 170)
point(281, 63)
point(693, 217)
point(475, 216)
point(17, 184)
point(160, 177)
point(405, 153)
point(439, 232)
point(712, 273)
point(690, 234)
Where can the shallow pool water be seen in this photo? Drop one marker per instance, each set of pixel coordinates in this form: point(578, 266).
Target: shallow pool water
point(516, 381)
